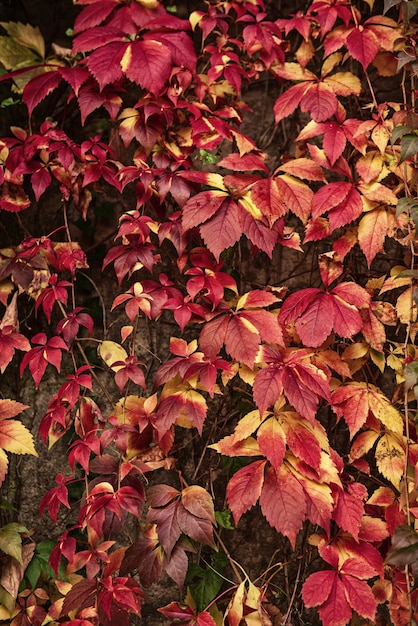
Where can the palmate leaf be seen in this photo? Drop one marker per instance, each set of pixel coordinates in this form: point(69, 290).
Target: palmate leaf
point(316, 313)
point(242, 330)
point(339, 593)
point(290, 373)
point(355, 400)
point(341, 200)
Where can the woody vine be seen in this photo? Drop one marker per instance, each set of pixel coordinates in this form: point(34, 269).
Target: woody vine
point(302, 393)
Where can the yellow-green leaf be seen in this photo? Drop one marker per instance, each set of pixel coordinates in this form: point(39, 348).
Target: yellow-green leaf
point(27, 35)
point(11, 540)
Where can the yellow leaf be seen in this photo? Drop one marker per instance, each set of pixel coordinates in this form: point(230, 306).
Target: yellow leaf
point(405, 306)
point(249, 205)
point(216, 181)
point(378, 359)
point(378, 193)
point(305, 52)
point(332, 61)
point(3, 465)
point(390, 459)
point(293, 71)
point(125, 61)
point(112, 352)
point(385, 412)
point(16, 438)
point(344, 84)
point(371, 166)
point(195, 18)
point(235, 608)
point(356, 351)
point(380, 136)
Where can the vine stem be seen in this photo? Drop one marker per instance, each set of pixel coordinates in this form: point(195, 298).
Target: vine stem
point(234, 565)
point(87, 362)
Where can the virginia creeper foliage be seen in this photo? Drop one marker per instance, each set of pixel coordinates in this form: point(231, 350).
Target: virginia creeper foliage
point(279, 276)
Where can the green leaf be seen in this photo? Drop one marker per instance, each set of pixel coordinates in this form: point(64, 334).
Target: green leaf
point(398, 132)
point(7, 600)
point(207, 157)
point(409, 147)
point(11, 541)
point(405, 204)
point(224, 519)
point(407, 274)
point(207, 582)
point(5, 505)
point(39, 563)
point(8, 102)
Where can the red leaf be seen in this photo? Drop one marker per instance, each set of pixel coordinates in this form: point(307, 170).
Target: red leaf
point(177, 566)
point(82, 593)
point(363, 45)
point(260, 235)
point(301, 439)
point(288, 101)
point(271, 440)
point(212, 335)
point(248, 162)
point(175, 612)
point(93, 15)
point(265, 195)
point(105, 63)
point(349, 508)
point(205, 619)
point(161, 495)
point(39, 87)
point(317, 588)
point(335, 610)
point(198, 502)
point(244, 488)
point(242, 340)
point(268, 387)
point(341, 200)
point(359, 596)
point(167, 525)
point(346, 318)
point(11, 408)
point(283, 502)
point(320, 101)
point(201, 207)
point(75, 76)
point(198, 529)
point(223, 229)
point(334, 141)
point(296, 195)
point(147, 63)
